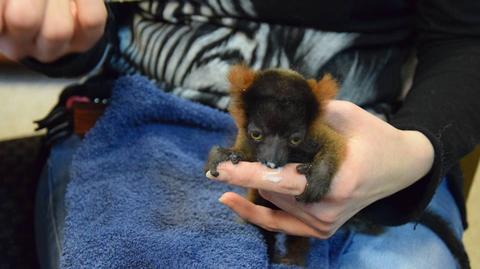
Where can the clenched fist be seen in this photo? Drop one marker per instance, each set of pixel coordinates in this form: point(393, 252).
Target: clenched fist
point(49, 29)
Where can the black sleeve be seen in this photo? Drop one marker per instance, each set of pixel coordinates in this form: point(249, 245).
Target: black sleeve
point(77, 64)
point(71, 65)
point(443, 103)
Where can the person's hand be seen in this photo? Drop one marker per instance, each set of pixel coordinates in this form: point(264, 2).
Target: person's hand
point(49, 29)
point(380, 160)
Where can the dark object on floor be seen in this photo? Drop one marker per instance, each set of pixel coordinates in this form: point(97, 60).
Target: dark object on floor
point(21, 161)
point(59, 121)
point(85, 115)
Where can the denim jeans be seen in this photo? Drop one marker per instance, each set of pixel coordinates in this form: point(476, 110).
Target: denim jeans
point(50, 204)
point(407, 246)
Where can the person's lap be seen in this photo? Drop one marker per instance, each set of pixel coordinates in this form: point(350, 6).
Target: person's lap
point(407, 246)
point(50, 205)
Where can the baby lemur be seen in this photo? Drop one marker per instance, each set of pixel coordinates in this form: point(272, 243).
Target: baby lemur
point(279, 119)
point(278, 114)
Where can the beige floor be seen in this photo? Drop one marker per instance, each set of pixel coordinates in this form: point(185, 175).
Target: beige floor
point(472, 235)
point(25, 96)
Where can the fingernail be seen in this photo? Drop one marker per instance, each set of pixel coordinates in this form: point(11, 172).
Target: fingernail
point(209, 175)
point(214, 176)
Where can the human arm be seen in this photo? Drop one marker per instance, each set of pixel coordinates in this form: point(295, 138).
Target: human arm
point(441, 111)
point(443, 101)
point(442, 104)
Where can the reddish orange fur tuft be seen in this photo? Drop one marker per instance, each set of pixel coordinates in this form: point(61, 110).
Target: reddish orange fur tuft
point(325, 89)
point(240, 77)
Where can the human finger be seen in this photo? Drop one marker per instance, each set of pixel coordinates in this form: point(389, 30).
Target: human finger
point(57, 31)
point(325, 216)
point(21, 21)
point(22, 18)
point(90, 21)
point(267, 218)
point(325, 225)
point(255, 175)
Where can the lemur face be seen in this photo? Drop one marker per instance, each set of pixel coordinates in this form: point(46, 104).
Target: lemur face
point(279, 108)
point(275, 110)
point(275, 148)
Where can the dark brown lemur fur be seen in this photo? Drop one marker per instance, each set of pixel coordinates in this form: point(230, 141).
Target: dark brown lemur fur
point(277, 103)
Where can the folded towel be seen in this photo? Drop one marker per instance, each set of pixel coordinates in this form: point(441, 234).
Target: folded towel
point(138, 197)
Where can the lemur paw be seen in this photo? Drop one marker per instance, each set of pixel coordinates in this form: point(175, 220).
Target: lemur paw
point(218, 155)
point(304, 168)
point(318, 182)
point(235, 157)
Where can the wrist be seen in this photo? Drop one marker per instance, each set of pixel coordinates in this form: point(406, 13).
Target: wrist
point(421, 153)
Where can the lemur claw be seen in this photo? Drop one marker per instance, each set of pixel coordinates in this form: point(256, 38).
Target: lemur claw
point(214, 173)
point(235, 158)
point(218, 155)
point(304, 168)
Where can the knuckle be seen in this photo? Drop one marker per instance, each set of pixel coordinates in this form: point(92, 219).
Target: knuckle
point(329, 218)
point(24, 19)
point(344, 192)
point(329, 234)
point(299, 188)
point(95, 21)
point(270, 223)
point(271, 226)
point(249, 178)
point(322, 235)
point(325, 232)
point(268, 228)
point(294, 188)
point(57, 35)
point(341, 195)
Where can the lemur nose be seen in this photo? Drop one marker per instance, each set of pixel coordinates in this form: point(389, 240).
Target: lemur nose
point(271, 165)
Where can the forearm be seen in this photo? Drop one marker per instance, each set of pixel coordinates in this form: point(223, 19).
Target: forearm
point(443, 105)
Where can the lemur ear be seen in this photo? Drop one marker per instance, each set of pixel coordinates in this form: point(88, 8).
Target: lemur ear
point(325, 89)
point(240, 77)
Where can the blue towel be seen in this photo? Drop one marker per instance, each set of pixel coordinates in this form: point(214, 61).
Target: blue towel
point(138, 197)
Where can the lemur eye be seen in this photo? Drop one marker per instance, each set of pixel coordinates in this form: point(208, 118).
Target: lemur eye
point(256, 135)
point(295, 140)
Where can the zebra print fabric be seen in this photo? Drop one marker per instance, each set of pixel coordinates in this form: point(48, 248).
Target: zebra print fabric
point(187, 47)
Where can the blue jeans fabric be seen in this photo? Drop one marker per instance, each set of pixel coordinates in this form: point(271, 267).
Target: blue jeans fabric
point(50, 207)
point(407, 246)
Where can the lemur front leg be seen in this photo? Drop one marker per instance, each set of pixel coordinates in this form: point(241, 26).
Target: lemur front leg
point(325, 163)
point(217, 155)
point(319, 174)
